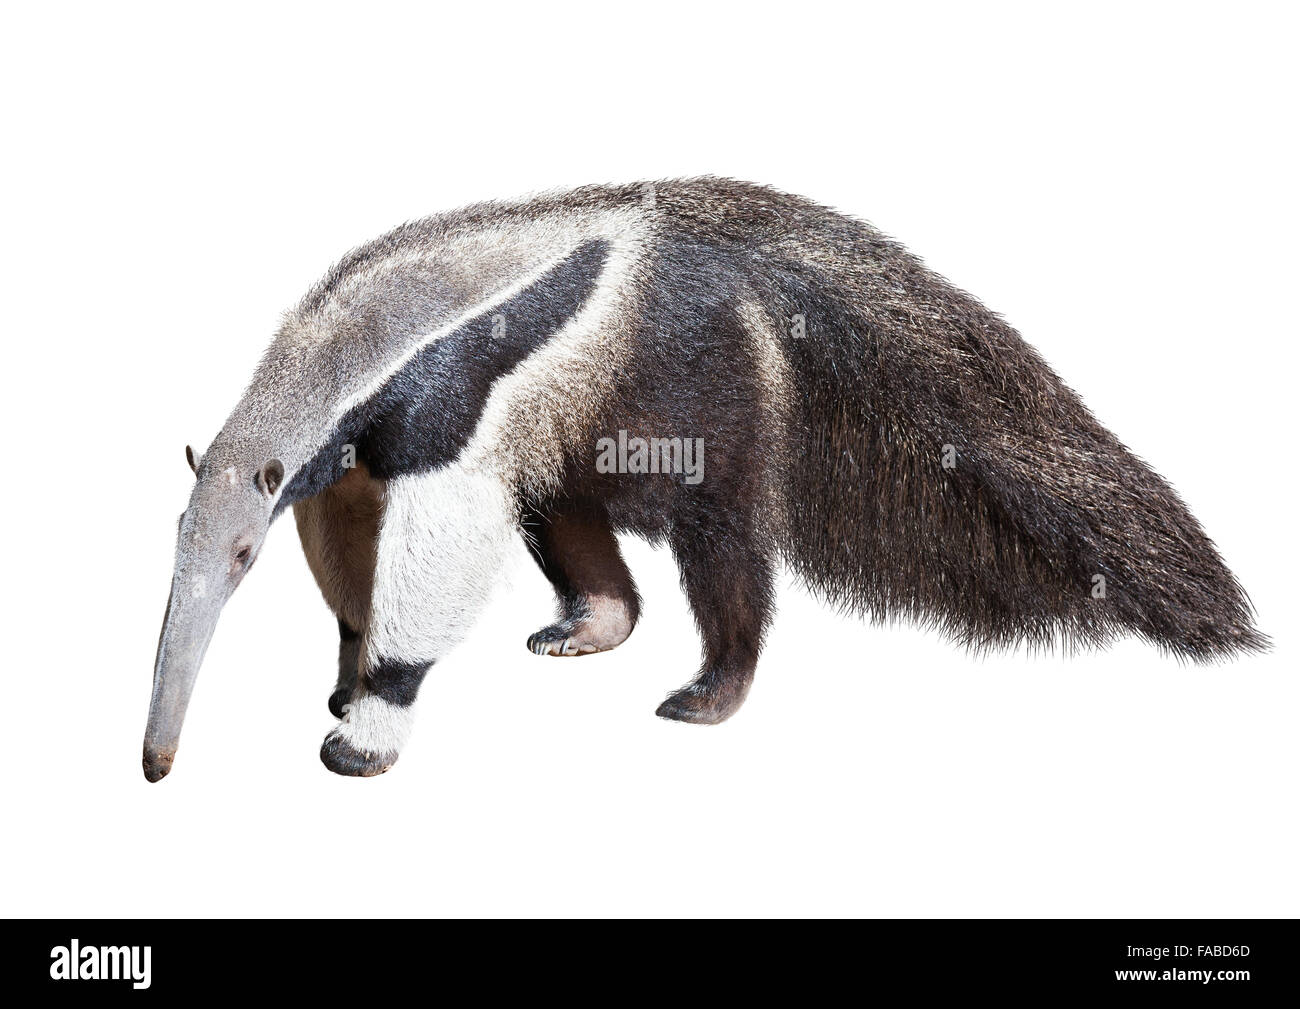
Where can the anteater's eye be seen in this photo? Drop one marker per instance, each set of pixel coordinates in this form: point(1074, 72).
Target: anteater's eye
point(242, 554)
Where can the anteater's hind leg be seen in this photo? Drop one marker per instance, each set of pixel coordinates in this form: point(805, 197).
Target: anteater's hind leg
point(576, 550)
point(339, 528)
point(727, 575)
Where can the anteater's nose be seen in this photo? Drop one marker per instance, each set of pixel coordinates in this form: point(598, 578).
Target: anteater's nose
point(157, 763)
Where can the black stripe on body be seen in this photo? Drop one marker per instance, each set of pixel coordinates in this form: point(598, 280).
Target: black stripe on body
point(425, 414)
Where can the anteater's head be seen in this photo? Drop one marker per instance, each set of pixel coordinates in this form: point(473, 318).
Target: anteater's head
point(217, 540)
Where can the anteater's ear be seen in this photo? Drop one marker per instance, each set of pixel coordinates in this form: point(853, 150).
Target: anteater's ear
point(270, 476)
point(193, 458)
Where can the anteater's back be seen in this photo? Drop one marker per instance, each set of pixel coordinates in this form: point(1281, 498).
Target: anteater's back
point(938, 468)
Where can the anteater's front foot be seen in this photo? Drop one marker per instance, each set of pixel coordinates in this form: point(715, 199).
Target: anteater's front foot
point(342, 757)
point(368, 739)
point(338, 699)
point(705, 701)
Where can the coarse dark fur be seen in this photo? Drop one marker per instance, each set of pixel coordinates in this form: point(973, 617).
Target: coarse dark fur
point(895, 364)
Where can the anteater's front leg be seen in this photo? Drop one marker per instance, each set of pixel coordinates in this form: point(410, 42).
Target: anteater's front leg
point(349, 665)
point(442, 544)
point(575, 547)
point(727, 573)
point(339, 529)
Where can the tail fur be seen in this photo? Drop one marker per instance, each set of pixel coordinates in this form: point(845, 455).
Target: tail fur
point(944, 473)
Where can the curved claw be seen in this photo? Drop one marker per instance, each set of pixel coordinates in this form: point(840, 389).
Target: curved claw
point(559, 640)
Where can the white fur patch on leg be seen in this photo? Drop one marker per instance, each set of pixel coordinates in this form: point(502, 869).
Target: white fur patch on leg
point(373, 726)
point(442, 545)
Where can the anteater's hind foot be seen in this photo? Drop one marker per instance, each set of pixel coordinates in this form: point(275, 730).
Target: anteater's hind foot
point(577, 551)
point(707, 700)
point(559, 639)
point(605, 624)
point(728, 580)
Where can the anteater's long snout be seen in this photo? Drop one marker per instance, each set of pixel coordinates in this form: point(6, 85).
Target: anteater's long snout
point(187, 628)
point(157, 763)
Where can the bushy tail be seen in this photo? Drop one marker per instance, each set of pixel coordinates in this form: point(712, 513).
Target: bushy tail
point(946, 474)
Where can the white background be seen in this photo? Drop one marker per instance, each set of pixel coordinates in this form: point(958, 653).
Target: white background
point(1119, 181)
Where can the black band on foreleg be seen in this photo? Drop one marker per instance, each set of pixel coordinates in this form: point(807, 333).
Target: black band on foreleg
point(376, 721)
point(396, 682)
